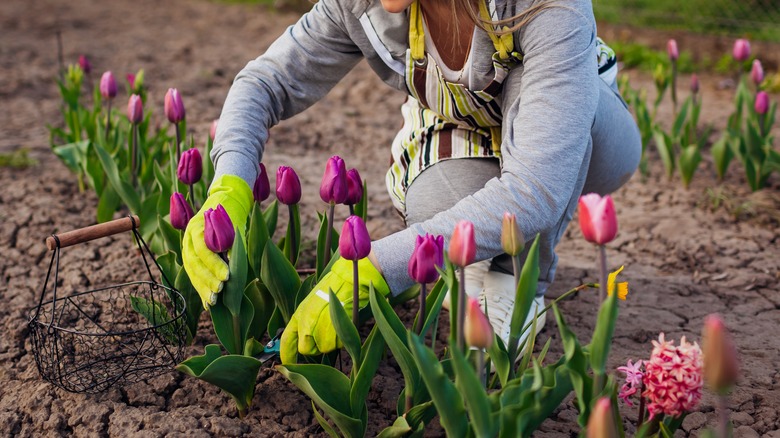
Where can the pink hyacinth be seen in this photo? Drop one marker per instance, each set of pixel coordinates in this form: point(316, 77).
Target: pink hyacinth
point(673, 378)
point(634, 374)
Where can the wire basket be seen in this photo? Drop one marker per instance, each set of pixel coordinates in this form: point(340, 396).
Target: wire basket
point(90, 340)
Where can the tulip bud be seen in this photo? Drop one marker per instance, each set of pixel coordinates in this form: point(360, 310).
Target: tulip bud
point(262, 187)
point(601, 423)
point(86, 67)
point(354, 187)
point(762, 102)
point(427, 255)
point(135, 109)
point(694, 83)
point(511, 238)
point(757, 72)
point(213, 129)
point(333, 188)
point(598, 219)
point(354, 242)
point(741, 50)
point(130, 80)
point(181, 212)
point(719, 355)
point(174, 107)
point(108, 85)
point(219, 232)
point(288, 186)
point(463, 247)
point(671, 49)
point(190, 167)
point(477, 330)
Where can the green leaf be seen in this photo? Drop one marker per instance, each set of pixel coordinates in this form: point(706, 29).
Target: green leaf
point(171, 236)
point(280, 278)
point(192, 301)
point(722, 155)
point(321, 237)
point(524, 297)
point(123, 188)
point(433, 304)
point(371, 353)
point(263, 306)
point(72, 154)
point(665, 149)
point(577, 365)
point(399, 429)
point(361, 208)
point(107, 204)
point(270, 217)
point(323, 422)
point(157, 315)
point(345, 330)
point(690, 157)
point(257, 236)
point(472, 391)
point(305, 289)
point(293, 231)
point(232, 329)
point(680, 120)
point(500, 359)
point(233, 290)
point(169, 268)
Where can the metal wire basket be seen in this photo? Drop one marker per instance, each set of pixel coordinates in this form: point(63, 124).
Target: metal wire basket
point(87, 341)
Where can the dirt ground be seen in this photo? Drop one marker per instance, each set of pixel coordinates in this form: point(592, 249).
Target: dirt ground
point(684, 258)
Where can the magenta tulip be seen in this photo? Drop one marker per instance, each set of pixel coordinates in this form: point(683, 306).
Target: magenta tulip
point(601, 423)
point(213, 129)
point(477, 330)
point(354, 242)
point(671, 49)
point(190, 167)
point(262, 187)
point(741, 50)
point(694, 83)
point(130, 80)
point(288, 186)
point(762, 102)
point(598, 219)
point(757, 72)
point(85, 65)
point(463, 247)
point(333, 188)
point(135, 109)
point(219, 232)
point(428, 254)
point(181, 212)
point(108, 85)
point(174, 106)
point(354, 187)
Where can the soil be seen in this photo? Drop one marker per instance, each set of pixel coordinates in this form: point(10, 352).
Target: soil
point(712, 248)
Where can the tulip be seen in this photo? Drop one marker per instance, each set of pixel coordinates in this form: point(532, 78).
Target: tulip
point(741, 50)
point(333, 188)
point(85, 65)
point(671, 49)
point(477, 330)
point(108, 85)
point(511, 238)
point(463, 247)
point(720, 356)
point(174, 107)
point(354, 187)
point(288, 186)
point(354, 242)
point(694, 83)
point(135, 109)
point(601, 423)
point(762, 102)
point(757, 72)
point(427, 255)
point(213, 129)
point(219, 232)
point(262, 187)
point(190, 167)
point(598, 220)
point(130, 80)
point(181, 212)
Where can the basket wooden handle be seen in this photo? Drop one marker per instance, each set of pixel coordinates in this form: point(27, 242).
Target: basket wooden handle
point(92, 232)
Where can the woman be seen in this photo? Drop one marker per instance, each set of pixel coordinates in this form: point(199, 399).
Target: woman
point(512, 107)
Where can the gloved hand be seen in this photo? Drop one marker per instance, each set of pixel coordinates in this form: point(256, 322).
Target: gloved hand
point(207, 271)
point(310, 330)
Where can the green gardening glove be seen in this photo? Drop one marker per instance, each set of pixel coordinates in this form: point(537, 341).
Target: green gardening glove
point(310, 330)
point(207, 271)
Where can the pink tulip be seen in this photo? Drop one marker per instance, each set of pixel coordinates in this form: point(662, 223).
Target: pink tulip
point(190, 167)
point(477, 329)
point(601, 423)
point(174, 106)
point(694, 83)
point(762, 102)
point(219, 232)
point(427, 255)
point(671, 49)
point(333, 188)
point(741, 50)
point(354, 187)
point(262, 187)
point(288, 186)
point(181, 212)
point(463, 247)
point(213, 129)
point(108, 85)
point(719, 355)
point(85, 65)
point(511, 238)
point(354, 242)
point(135, 109)
point(757, 72)
point(598, 219)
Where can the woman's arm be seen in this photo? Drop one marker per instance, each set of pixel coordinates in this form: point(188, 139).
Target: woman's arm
point(299, 68)
point(546, 138)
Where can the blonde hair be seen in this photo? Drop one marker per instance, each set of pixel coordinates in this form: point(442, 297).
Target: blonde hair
point(506, 25)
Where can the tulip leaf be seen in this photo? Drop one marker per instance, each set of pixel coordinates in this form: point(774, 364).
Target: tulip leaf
point(665, 149)
point(72, 154)
point(233, 290)
point(321, 237)
point(345, 330)
point(270, 217)
point(524, 298)
point(257, 236)
point(371, 355)
point(399, 429)
point(263, 305)
point(329, 389)
point(253, 347)
point(169, 268)
point(123, 188)
point(421, 414)
point(293, 234)
point(472, 391)
point(689, 159)
point(577, 364)
point(433, 303)
point(232, 329)
point(722, 155)
point(500, 359)
point(170, 235)
point(361, 208)
point(682, 115)
point(107, 204)
point(192, 301)
point(157, 316)
point(148, 215)
point(602, 334)
point(448, 274)
point(323, 422)
point(281, 279)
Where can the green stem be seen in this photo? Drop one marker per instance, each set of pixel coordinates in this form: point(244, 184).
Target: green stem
point(134, 153)
point(293, 242)
point(178, 143)
point(603, 273)
point(723, 415)
point(108, 118)
point(421, 311)
point(355, 294)
point(674, 88)
point(480, 367)
point(461, 308)
point(329, 233)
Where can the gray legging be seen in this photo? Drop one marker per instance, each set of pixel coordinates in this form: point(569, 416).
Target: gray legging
point(611, 159)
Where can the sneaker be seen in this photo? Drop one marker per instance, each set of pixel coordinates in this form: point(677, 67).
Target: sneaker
point(498, 295)
point(474, 275)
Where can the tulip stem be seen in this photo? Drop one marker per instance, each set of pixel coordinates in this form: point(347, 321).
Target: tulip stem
point(329, 233)
point(603, 273)
point(108, 118)
point(480, 367)
point(133, 156)
point(461, 307)
point(293, 243)
point(421, 312)
point(351, 209)
point(641, 414)
point(355, 294)
point(192, 195)
point(178, 142)
point(674, 88)
point(723, 414)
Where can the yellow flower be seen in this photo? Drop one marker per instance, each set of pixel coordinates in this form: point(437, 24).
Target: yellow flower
point(622, 287)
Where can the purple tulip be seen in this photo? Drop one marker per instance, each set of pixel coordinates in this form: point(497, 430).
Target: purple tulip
point(262, 188)
point(762, 102)
point(135, 109)
point(354, 187)
point(213, 129)
point(174, 107)
point(333, 188)
point(671, 49)
point(741, 50)
point(108, 85)
point(354, 242)
point(86, 67)
point(757, 72)
point(190, 167)
point(288, 186)
point(181, 212)
point(694, 83)
point(428, 254)
point(130, 80)
point(219, 233)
